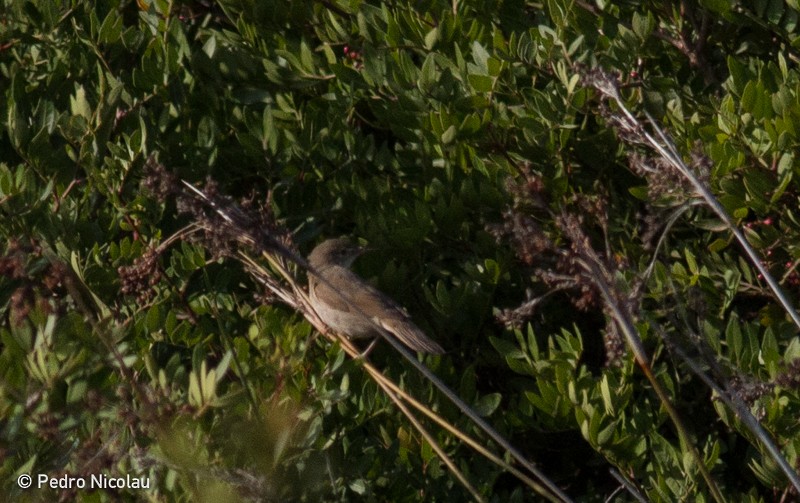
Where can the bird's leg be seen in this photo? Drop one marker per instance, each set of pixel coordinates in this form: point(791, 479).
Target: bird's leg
point(369, 349)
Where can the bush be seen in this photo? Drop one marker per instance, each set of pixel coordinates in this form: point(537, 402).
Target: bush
point(595, 308)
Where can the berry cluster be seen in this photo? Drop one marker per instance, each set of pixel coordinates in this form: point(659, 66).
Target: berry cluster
point(355, 57)
point(789, 274)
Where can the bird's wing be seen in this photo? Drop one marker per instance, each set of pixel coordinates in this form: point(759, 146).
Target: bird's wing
point(335, 275)
point(411, 335)
point(372, 301)
point(377, 306)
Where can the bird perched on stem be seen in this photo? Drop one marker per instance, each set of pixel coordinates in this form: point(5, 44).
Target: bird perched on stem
point(351, 306)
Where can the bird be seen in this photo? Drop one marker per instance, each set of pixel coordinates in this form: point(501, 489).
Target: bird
point(350, 305)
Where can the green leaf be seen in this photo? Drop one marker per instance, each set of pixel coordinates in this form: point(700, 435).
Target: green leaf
point(427, 77)
point(206, 132)
point(487, 404)
point(210, 47)
point(111, 29)
point(431, 38)
point(481, 57)
point(738, 75)
point(449, 135)
point(505, 348)
point(642, 192)
point(153, 320)
point(79, 105)
point(719, 6)
point(643, 25)
point(481, 83)
point(717, 245)
point(306, 57)
point(733, 337)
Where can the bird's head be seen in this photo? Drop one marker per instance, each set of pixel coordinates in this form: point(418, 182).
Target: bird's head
point(339, 251)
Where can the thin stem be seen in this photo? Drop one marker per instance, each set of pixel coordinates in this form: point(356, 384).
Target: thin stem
point(628, 485)
point(668, 152)
point(301, 302)
point(624, 321)
point(741, 410)
point(276, 254)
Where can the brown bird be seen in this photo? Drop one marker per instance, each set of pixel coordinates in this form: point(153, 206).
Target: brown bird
point(340, 297)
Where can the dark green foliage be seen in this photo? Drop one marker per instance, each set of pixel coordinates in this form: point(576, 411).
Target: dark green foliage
point(460, 141)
